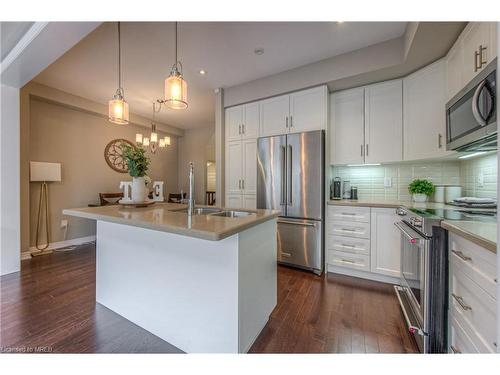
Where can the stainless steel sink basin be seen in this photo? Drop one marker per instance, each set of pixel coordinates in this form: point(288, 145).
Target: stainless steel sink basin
point(202, 210)
point(232, 213)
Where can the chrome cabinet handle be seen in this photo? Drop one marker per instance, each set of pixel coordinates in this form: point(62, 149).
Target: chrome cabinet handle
point(461, 302)
point(476, 55)
point(288, 255)
point(347, 261)
point(440, 140)
point(242, 128)
point(461, 255)
point(239, 129)
point(291, 121)
point(348, 213)
point(243, 184)
point(286, 122)
point(347, 245)
point(481, 61)
point(361, 150)
point(455, 350)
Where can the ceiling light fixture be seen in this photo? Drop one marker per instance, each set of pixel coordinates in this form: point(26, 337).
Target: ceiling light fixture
point(175, 85)
point(258, 51)
point(203, 72)
point(152, 141)
point(118, 107)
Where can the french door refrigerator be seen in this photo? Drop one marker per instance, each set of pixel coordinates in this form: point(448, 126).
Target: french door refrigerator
point(290, 178)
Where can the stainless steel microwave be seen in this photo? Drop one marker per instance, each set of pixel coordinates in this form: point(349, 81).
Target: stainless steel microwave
point(471, 115)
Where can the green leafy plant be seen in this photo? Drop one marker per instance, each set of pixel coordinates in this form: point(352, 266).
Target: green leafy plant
point(136, 160)
point(421, 187)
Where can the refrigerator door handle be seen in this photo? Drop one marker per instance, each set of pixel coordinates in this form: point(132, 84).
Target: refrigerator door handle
point(283, 175)
point(300, 223)
point(289, 172)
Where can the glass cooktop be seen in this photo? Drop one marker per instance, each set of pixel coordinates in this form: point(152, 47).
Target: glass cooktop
point(464, 214)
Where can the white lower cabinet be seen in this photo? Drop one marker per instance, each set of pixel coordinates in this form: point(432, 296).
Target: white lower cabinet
point(363, 242)
point(246, 201)
point(385, 242)
point(472, 301)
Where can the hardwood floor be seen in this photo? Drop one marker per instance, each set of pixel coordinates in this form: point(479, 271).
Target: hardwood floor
point(50, 307)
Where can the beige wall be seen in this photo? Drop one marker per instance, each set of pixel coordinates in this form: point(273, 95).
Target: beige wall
point(77, 139)
point(198, 146)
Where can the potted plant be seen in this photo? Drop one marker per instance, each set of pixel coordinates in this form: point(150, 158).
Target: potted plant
point(138, 164)
point(421, 189)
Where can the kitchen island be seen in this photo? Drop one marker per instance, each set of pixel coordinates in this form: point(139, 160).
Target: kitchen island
point(204, 283)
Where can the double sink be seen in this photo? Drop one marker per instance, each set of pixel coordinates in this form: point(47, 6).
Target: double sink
point(217, 212)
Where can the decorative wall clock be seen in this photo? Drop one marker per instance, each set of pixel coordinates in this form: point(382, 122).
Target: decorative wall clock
point(114, 157)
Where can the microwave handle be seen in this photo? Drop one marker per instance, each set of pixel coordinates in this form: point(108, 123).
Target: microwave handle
point(475, 104)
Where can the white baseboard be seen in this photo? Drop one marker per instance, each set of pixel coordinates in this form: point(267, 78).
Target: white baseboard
point(363, 274)
point(59, 245)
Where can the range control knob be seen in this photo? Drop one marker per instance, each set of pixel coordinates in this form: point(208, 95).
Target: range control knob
point(416, 222)
point(400, 211)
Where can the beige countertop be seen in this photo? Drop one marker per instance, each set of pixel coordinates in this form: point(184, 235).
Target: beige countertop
point(483, 234)
point(167, 218)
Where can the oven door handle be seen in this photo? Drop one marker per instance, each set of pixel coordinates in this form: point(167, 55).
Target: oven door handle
point(413, 238)
point(413, 327)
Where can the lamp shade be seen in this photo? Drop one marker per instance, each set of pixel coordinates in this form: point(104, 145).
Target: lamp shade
point(48, 172)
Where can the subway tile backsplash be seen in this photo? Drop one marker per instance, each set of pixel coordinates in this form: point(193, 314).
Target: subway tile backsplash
point(370, 179)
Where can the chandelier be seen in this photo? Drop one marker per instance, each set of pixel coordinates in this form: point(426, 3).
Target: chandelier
point(152, 141)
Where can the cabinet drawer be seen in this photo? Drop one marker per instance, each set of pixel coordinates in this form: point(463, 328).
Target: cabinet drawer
point(349, 229)
point(475, 306)
point(472, 260)
point(348, 244)
point(460, 343)
point(346, 213)
point(349, 260)
point(480, 345)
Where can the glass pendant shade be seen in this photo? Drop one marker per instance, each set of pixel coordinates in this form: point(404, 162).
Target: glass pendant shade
point(162, 143)
point(176, 91)
point(118, 111)
point(145, 141)
point(138, 138)
point(167, 141)
point(154, 137)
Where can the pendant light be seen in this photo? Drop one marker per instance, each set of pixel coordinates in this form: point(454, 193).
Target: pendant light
point(118, 107)
point(175, 85)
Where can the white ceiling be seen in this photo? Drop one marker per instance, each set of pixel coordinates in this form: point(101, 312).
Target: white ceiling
point(224, 50)
point(11, 33)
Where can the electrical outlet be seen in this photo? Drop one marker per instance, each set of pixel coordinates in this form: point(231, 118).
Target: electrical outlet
point(480, 179)
point(64, 224)
point(388, 182)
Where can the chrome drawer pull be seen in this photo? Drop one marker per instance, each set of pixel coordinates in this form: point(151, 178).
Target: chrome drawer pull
point(455, 350)
point(348, 261)
point(461, 255)
point(348, 230)
point(347, 245)
point(461, 302)
point(288, 255)
point(348, 213)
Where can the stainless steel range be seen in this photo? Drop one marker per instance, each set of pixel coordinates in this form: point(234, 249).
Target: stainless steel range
point(423, 290)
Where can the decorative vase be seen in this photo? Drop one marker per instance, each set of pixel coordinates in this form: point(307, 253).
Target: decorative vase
point(138, 189)
point(420, 198)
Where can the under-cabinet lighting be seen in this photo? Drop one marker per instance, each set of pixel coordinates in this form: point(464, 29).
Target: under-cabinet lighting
point(363, 165)
point(472, 155)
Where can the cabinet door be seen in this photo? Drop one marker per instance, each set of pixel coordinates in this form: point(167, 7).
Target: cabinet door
point(385, 242)
point(454, 71)
point(250, 202)
point(424, 116)
point(493, 40)
point(384, 122)
point(347, 124)
point(274, 114)
point(251, 121)
point(233, 167)
point(308, 109)
point(475, 34)
point(234, 201)
point(249, 177)
point(233, 123)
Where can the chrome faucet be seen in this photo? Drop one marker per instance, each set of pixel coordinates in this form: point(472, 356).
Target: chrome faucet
point(190, 208)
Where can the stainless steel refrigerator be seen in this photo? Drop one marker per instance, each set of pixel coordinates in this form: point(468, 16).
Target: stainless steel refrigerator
point(290, 178)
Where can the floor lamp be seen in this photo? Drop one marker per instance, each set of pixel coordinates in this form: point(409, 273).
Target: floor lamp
point(43, 172)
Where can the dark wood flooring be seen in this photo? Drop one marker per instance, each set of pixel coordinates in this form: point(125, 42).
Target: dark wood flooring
point(50, 307)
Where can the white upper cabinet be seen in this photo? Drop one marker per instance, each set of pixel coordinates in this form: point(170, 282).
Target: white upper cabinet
point(383, 122)
point(385, 242)
point(233, 167)
point(347, 122)
point(234, 121)
point(251, 121)
point(242, 122)
point(274, 114)
point(475, 48)
point(424, 113)
point(308, 110)
point(249, 166)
